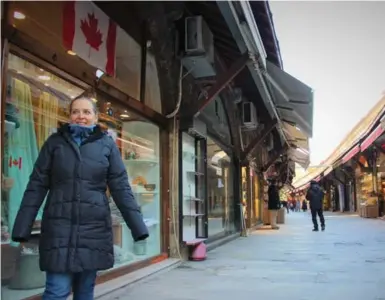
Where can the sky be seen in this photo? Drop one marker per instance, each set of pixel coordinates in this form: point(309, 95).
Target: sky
point(337, 48)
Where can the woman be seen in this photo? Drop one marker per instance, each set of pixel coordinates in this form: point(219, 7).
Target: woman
point(75, 166)
point(274, 203)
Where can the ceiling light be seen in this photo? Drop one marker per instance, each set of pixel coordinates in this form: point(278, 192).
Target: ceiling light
point(18, 15)
point(71, 52)
point(99, 73)
point(124, 116)
point(94, 99)
point(44, 77)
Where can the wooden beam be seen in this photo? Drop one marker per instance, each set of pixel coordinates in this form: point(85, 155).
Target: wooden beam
point(223, 80)
point(260, 138)
point(379, 148)
point(275, 156)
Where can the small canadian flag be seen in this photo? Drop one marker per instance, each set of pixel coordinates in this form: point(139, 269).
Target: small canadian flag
point(90, 33)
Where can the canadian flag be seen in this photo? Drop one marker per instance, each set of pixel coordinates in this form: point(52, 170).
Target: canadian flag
point(90, 33)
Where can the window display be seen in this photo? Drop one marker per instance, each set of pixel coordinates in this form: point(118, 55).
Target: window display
point(220, 191)
point(36, 103)
point(256, 199)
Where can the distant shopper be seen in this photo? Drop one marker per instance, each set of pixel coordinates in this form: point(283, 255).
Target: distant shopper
point(274, 203)
point(304, 205)
point(298, 205)
point(315, 196)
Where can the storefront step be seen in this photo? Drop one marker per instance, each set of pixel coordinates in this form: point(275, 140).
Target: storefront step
point(217, 243)
point(113, 288)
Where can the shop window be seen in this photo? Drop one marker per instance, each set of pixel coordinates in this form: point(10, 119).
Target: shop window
point(152, 94)
point(36, 102)
point(220, 190)
point(257, 205)
point(214, 115)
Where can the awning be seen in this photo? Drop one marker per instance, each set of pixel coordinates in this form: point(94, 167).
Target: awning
point(295, 136)
point(299, 151)
point(328, 171)
point(356, 149)
point(299, 156)
point(376, 133)
point(293, 99)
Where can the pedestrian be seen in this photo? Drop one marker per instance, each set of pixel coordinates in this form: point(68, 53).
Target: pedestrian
point(274, 203)
point(75, 166)
point(315, 196)
point(298, 205)
point(304, 205)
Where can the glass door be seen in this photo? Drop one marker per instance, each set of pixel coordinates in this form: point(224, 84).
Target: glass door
point(193, 198)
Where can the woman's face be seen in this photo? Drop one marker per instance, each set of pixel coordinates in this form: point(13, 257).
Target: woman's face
point(83, 112)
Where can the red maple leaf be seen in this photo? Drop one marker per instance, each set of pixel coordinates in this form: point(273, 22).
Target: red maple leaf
point(91, 31)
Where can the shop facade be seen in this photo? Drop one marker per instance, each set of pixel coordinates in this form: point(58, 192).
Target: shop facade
point(40, 78)
point(207, 168)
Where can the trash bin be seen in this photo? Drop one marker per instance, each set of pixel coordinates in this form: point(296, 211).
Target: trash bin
point(281, 216)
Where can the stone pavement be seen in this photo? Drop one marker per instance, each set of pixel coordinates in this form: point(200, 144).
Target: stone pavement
point(347, 261)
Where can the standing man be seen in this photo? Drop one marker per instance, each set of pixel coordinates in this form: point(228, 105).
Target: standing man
point(315, 196)
point(274, 203)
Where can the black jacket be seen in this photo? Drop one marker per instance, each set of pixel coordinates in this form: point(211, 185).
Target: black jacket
point(315, 196)
point(273, 197)
point(76, 228)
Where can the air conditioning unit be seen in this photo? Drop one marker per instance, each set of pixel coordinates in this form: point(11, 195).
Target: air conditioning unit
point(199, 48)
point(249, 115)
point(269, 142)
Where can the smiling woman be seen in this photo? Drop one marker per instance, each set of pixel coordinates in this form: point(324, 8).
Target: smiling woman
point(37, 102)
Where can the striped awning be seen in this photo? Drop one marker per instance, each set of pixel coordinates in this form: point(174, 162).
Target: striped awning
point(376, 133)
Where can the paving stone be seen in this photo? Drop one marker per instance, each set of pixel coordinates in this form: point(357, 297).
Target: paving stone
point(347, 261)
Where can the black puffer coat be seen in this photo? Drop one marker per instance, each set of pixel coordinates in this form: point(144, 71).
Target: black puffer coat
point(315, 196)
point(76, 229)
point(274, 202)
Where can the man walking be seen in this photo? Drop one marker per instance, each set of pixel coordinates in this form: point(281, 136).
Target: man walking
point(274, 203)
point(315, 196)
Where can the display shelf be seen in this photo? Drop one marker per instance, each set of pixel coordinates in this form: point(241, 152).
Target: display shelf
point(195, 173)
point(193, 215)
point(190, 198)
point(151, 162)
point(193, 192)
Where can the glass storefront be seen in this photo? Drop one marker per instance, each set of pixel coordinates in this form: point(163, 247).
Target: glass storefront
point(220, 191)
point(36, 103)
point(256, 198)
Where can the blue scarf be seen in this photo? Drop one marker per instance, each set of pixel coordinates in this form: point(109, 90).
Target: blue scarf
point(79, 132)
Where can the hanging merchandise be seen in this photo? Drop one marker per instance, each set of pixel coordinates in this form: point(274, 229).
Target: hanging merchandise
point(22, 150)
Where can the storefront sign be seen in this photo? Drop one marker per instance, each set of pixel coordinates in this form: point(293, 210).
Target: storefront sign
point(90, 34)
